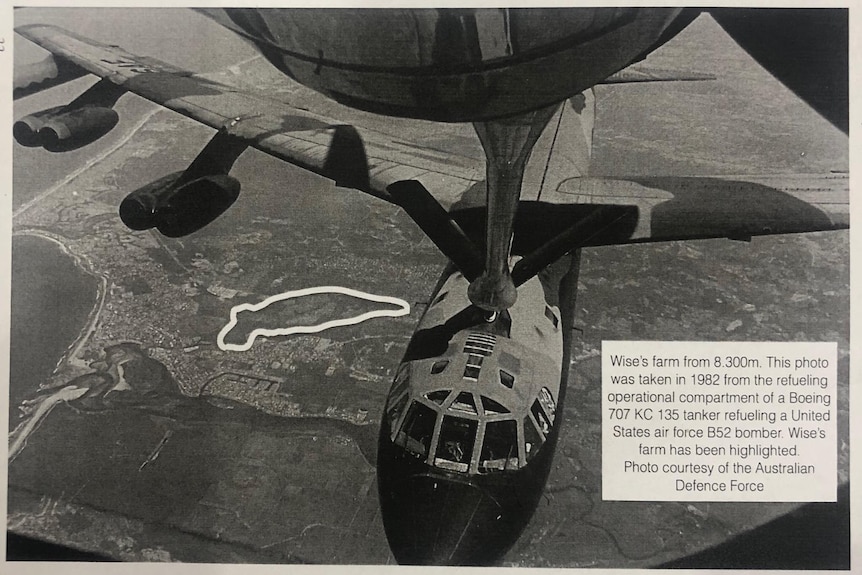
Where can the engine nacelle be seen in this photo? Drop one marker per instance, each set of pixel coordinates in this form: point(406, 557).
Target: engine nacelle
point(26, 130)
point(65, 128)
point(179, 210)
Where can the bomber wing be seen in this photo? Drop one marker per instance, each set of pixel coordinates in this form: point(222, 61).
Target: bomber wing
point(364, 154)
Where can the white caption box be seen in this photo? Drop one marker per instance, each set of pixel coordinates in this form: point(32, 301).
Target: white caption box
point(719, 421)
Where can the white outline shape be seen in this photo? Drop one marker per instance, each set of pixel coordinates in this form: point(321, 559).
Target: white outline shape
point(403, 305)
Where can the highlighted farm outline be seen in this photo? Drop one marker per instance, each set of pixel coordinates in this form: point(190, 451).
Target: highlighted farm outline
point(403, 309)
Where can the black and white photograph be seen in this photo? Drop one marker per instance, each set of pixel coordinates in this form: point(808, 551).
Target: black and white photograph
point(342, 286)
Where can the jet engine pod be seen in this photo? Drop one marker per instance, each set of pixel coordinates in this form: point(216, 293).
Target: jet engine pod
point(77, 128)
point(138, 209)
point(179, 210)
point(26, 130)
point(63, 129)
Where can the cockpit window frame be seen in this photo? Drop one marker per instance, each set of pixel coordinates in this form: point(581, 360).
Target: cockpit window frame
point(437, 392)
point(488, 389)
point(490, 410)
point(401, 381)
point(511, 456)
point(446, 463)
point(405, 442)
point(525, 421)
point(538, 412)
point(395, 423)
point(549, 406)
point(469, 406)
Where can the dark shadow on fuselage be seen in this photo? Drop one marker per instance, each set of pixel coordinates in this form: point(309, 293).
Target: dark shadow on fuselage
point(538, 222)
point(433, 342)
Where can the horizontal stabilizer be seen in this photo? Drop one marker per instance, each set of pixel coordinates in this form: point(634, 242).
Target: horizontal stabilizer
point(737, 207)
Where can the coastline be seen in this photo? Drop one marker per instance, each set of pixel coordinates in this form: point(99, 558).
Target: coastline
point(88, 325)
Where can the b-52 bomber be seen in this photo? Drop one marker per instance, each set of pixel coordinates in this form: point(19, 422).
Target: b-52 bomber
point(471, 422)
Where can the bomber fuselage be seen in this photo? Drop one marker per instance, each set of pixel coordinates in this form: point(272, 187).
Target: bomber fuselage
point(471, 422)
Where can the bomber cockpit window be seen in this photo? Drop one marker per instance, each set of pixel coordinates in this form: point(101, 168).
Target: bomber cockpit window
point(473, 367)
point(532, 439)
point(547, 403)
point(402, 380)
point(438, 396)
point(492, 407)
point(455, 447)
point(398, 396)
point(500, 447)
point(395, 411)
point(541, 418)
point(439, 366)
point(464, 402)
point(418, 427)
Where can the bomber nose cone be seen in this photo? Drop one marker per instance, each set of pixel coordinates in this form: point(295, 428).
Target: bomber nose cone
point(433, 521)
